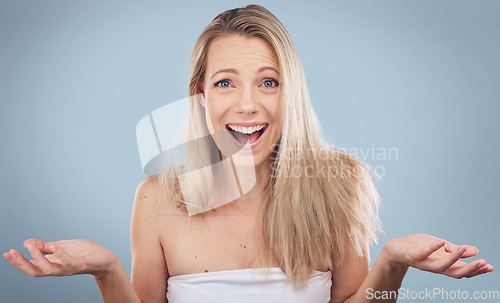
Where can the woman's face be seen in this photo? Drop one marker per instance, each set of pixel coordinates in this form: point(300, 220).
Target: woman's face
point(242, 95)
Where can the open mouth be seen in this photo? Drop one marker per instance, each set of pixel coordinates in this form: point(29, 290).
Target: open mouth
point(246, 135)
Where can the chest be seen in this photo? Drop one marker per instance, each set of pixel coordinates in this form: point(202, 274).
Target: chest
point(197, 245)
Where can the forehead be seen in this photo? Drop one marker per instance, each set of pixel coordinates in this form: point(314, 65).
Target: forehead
point(234, 51)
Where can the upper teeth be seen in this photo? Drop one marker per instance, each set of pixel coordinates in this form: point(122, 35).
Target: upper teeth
point(246, 130)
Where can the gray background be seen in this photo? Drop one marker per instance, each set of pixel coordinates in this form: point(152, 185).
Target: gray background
point(76, 77)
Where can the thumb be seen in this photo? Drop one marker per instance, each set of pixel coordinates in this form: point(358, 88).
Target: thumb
point(42, 246)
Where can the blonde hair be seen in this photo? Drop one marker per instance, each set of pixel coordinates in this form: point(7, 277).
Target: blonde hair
point(308, 219)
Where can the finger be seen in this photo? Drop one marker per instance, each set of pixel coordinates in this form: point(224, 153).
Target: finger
point(470, 251)
point(22, 264)
point(485, 269)
point(38, 244)
point(425, 252)
point(466, 270)
point(449, 247)
point(449, 260)
point(45, 266)
point(457, 264)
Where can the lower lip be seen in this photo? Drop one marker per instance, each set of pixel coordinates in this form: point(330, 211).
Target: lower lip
point(250, 145)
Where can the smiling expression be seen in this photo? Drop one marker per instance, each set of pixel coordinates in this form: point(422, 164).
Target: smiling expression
point(242, 94)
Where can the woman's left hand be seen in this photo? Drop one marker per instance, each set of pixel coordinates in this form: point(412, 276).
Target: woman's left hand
point(436, 255)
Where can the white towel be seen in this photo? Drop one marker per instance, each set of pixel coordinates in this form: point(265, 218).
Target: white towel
point(247, 285)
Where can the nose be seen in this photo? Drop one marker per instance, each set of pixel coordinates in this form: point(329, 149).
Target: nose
point(247, 102)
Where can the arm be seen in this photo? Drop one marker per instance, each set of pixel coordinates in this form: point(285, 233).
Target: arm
point(354, 276)
point(149, 268)
point(115, 285)
point(354, 283)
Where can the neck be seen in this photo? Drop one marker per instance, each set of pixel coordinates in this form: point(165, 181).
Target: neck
point(253, 191)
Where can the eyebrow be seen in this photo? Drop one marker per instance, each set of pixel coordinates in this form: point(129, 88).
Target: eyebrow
point(233, 71)
point(227, 70)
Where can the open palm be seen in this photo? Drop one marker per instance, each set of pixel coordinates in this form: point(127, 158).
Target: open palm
point(429, 253)
point(63, 258)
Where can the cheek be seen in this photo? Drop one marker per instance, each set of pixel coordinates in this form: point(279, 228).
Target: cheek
point(273, 107)
point(216, 111)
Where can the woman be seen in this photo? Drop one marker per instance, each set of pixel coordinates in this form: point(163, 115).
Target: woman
point(262, 207)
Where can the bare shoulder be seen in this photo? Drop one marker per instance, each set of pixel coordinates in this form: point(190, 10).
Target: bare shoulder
point(152, 196)
point(153, 207)
point(148, 186)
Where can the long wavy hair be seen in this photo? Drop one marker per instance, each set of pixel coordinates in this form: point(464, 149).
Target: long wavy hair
point(320, 203)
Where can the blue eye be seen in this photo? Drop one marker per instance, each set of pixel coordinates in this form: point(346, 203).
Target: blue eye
point(222, 83)
point(270, 83)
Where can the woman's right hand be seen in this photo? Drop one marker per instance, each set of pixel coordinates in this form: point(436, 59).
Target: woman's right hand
point(63, 258)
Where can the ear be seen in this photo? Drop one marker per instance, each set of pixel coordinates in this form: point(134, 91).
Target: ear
point(201, 95)
point(201, 99)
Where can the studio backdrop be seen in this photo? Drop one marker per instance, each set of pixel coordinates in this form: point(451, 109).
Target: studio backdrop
point(411, 87)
